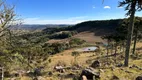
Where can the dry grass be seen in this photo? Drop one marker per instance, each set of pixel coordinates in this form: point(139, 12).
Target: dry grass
point(67, 58)
point(89, 37)
point(123, 73)
point(107, 74)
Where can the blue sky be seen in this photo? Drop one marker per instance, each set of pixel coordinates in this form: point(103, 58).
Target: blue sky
point(67, 11)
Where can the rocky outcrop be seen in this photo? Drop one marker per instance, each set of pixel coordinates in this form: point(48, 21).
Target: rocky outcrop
point(95, 64)
point(59, 69)
point(139, 78)
point(90, 74)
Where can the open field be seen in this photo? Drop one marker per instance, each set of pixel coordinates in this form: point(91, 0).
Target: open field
point(88, 36)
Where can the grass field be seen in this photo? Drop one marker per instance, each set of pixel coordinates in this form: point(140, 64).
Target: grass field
point(107, 72)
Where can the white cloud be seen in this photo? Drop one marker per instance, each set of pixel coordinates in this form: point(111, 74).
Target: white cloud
point(72, 20)
point(107, 7)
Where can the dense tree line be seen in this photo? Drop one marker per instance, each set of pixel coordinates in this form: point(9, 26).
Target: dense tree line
point(131, 6)
point(119, 38)
point(98, 24)
point(63, 35)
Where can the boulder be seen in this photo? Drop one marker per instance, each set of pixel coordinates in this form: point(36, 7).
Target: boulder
point(59, 69)
point(95, 64)
point(114, 77)
point(90, 73)
point(119, 65)
point(139, 78)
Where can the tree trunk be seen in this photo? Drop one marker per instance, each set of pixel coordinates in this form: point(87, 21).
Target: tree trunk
point(112, 49)
point(123, 46)
point(135, 40)
point(115, 49)
point(130, 33)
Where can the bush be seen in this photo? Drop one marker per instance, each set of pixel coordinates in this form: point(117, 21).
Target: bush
point(75, 53)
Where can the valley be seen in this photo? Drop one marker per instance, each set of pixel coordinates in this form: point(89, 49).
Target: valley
point(54, 48)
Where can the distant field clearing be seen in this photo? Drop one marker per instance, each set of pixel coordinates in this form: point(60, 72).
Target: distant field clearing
point(89, 37)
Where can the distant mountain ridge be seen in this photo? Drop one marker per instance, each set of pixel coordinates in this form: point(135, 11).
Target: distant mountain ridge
point(36, 27)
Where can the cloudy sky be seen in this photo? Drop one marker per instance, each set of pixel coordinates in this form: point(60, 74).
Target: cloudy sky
point(67, 11)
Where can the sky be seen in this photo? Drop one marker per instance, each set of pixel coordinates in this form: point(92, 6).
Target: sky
point(67, 11)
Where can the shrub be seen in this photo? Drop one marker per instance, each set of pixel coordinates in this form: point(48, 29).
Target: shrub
point(62, 35)
point(76, 41)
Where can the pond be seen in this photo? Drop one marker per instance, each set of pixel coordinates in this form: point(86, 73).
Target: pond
point(85, 49)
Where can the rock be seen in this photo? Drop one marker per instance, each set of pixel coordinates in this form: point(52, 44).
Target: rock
point(95, 64)
point(134, 66)
point(122, 69)
point(40, 78)
point(68, 68)
point(130, 67)
point(12, 78)
point(101, 70)
point(89, 73)
point(128, 71)
point(71, 74)
point(119, 65)
point(50, 73)
point(78, 66)
point(140, 68)
point(35, 78)
point(59, 69)
point(139, 78)
point(112, 68)
point(29, 73)
point(114, 77)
